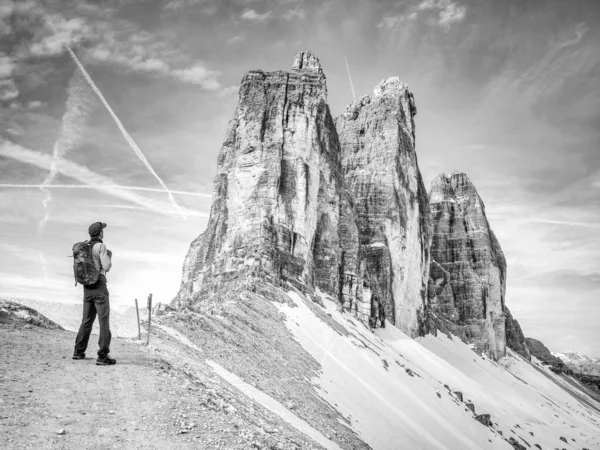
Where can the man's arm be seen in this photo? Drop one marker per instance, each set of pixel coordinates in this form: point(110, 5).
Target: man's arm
point(105, 257)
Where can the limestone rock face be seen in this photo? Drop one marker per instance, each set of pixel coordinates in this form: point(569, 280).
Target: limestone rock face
point(377, 138)
point(515, 339)
point(541, 352)
point(276, 198)
point(468, 268)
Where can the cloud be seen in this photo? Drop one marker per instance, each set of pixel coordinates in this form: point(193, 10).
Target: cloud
point(207, 6)
point(114, 186)
point(294, 13)
point(580, 31)
point(253, 16)
point(7, 66)
point(84, 175)
point(237, 38)
point(67, 32)
point(451, 13)
point(441, 13)
point(101, 38)
point(8, 90)
point(200, 75)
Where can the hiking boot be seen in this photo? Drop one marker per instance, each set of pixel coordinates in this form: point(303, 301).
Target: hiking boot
point(78, 355)
point(106, 361)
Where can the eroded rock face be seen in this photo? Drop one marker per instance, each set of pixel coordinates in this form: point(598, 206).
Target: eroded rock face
point(276, 198)
point(377, 138)
point(541, 352)
point(468, 268)
point(515, 339)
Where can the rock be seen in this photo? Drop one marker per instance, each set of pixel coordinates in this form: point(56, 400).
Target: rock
point(13, 312)
point(563, 439)
point(516, 445)
point(468, 269)
point(538, 446)
point(290, 405)
point(485, 419)
point(377, 138)
point(61, 431)
point(459, 395)
point(276, 196)
point(161, 308)
point(515, 339)
point(471, 406)
point(541, 352)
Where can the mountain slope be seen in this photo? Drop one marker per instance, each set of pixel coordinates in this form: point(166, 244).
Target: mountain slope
point(579, 363)
point(384, 390)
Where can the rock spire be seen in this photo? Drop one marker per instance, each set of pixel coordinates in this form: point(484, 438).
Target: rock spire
point(377, 137)
point(276, 195)
point(468, 268)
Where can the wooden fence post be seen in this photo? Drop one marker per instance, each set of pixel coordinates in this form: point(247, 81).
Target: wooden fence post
point(149, 317)
point(137, 313)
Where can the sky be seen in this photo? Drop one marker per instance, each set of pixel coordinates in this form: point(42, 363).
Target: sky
point(507, 91)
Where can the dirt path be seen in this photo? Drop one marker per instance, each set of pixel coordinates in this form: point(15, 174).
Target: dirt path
point(44, 391)
point(149, 399)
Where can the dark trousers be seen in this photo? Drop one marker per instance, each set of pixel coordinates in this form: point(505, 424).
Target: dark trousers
point(95, 302)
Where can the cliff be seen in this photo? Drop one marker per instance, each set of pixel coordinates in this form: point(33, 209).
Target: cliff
point(276, 198)
point(468, 268)
point(541, 352)
point(377, 138)
point(515, 339)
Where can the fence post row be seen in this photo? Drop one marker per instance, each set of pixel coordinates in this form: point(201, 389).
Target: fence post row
point(137, 313)
point(149, 317)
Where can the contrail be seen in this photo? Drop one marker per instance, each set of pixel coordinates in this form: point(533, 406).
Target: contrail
point(86, 176)
point(73, 122)
point(122, 129)
point(110, 186)
point(350, 77)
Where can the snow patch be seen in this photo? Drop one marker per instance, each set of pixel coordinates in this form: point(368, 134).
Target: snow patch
point(393, 389)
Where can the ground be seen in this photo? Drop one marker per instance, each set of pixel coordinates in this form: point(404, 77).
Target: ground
point(49, 400)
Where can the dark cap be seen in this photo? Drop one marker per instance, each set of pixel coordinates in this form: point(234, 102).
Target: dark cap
point(96, 228)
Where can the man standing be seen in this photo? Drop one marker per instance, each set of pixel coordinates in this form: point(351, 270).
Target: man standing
point(95, 301)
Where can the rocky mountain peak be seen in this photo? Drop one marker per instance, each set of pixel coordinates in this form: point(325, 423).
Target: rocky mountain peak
point(468, 268)
point(382, 175)
point(276, 202)
point(307, 61)
point(449, 187)
point(392, 86)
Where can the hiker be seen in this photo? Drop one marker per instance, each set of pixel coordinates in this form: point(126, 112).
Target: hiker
point(95, 300)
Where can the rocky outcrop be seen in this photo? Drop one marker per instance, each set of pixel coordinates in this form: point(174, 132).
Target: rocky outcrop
point(515, 339)
point(377, 138)
point(541, 352)
point(276, 199)
point(468, 268)
point(16, 313)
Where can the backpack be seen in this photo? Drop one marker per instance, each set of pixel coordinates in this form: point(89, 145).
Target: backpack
point(83, 265)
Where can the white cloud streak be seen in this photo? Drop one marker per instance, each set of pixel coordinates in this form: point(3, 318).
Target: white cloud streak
point(122, 129)
point(441, 13)
point(82, 174)
point(107, 39)
point(252, 16)
point(113, 186)
point(73, 123)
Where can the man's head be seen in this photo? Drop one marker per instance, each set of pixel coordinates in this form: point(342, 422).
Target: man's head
point(96, 230)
